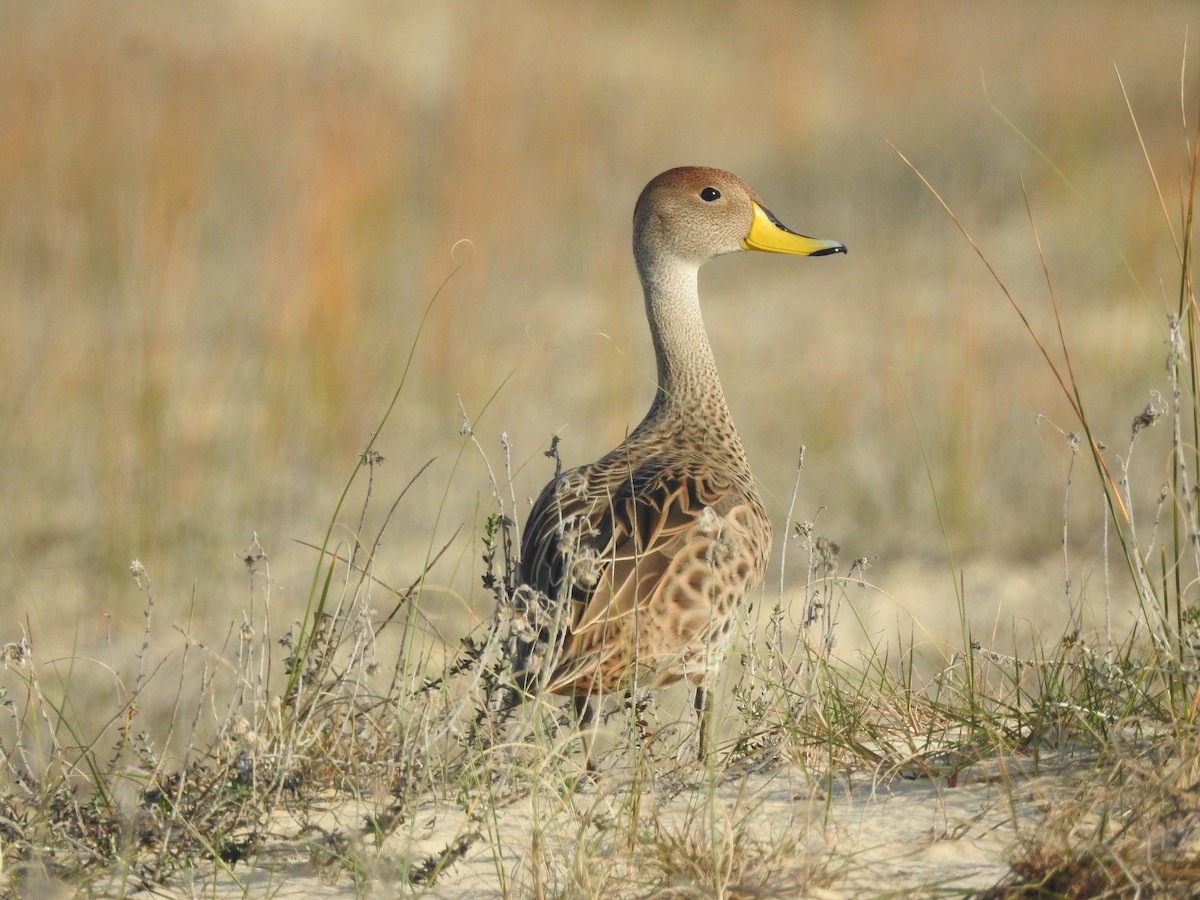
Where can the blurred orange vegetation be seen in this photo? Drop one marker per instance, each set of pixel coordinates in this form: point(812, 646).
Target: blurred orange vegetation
point(221, 226)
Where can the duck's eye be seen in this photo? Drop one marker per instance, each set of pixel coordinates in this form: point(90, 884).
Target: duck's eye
point(708, 195)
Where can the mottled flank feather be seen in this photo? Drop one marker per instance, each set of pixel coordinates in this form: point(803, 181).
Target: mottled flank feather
point(654, 547)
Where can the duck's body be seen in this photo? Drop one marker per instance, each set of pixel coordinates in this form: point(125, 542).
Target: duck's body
point(633, 567)
point(654, 546)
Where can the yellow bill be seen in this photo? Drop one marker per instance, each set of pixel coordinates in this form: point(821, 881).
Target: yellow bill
point(769, 234)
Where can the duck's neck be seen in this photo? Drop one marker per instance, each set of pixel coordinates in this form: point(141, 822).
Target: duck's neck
point(687, 371)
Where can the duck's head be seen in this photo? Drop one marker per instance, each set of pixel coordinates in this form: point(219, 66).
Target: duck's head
point(695, 213)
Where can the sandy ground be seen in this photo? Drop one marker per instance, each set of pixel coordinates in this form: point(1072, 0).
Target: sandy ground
point(858, 837)
point(864, 834)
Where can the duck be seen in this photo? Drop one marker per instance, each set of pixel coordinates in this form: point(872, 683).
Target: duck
point(633, 568)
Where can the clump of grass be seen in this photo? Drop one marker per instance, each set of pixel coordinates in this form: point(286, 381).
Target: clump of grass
point(303, 723)
point(290, 719)
point(731, 858)
point(1133, 826)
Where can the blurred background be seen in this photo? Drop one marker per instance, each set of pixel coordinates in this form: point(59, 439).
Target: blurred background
point(221, 226)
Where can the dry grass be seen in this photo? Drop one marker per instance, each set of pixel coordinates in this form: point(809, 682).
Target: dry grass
point(220, 232)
